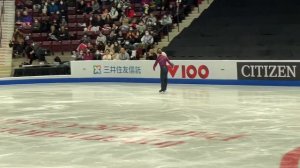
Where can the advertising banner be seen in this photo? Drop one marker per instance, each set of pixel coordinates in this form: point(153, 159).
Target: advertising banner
point(268, 70)
point(144, 69)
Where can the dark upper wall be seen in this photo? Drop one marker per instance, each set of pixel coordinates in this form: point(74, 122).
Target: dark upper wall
point(242, 29)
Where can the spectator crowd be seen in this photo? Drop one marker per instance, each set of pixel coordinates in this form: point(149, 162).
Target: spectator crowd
point(94, 29)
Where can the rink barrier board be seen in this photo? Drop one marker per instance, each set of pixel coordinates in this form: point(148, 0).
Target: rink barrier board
point(143, 69)
point(187, 69)
point(56, 80)
point(210, 72)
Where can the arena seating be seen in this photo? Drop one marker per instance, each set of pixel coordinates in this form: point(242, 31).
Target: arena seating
point(242, 29)
point(74, 28)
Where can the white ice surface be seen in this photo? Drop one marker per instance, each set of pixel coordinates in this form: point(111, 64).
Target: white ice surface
point(268, 117)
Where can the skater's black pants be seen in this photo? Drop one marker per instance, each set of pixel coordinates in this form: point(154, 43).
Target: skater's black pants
point(164, 78)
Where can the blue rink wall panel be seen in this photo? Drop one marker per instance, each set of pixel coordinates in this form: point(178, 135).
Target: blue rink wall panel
point(149, 80)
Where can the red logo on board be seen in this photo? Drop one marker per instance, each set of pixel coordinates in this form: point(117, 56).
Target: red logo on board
point(189, 71)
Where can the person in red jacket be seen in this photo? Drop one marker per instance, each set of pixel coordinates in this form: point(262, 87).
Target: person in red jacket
point(162, 60)
point(130, 12)
point(82, 47)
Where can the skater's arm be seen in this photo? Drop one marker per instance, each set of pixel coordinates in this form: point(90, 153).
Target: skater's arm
point(155, 64)
point(169, 61)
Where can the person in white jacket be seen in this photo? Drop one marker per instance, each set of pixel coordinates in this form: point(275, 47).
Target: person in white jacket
point(101, 38)
point(147, 40)
point(114, 13)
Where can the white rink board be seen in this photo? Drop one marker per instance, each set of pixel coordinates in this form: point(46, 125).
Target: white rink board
point(144, 69)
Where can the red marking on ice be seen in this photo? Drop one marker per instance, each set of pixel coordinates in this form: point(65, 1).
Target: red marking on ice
point(99, 138)
point(140, 141)
point(291, 159)
point(234, 137)
point(70, 125)
point(168, 144)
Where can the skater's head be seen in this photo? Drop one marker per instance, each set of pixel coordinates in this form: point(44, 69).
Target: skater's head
point(159, 51)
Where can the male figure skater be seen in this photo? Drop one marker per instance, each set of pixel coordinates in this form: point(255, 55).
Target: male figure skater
point(162, 59)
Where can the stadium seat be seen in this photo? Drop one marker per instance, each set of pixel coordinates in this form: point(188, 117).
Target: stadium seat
point(66, 45)
point(71, 10)
point(79, 34)
point(72, 18)
point(44, 36)
point(74, 44)
point(57, 46)
point(47, 45)
point(36, 36)
point(72, 26)
point(80, 18)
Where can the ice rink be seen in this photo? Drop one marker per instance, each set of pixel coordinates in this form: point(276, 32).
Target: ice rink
point(106, 125)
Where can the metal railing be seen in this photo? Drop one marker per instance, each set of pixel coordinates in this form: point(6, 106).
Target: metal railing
point(179, 12)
